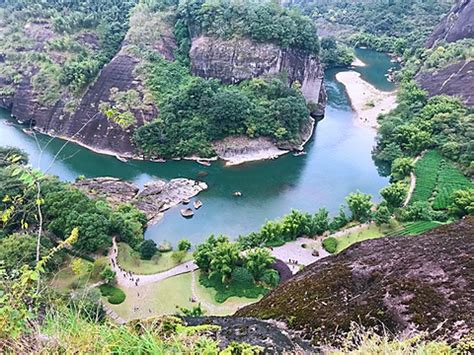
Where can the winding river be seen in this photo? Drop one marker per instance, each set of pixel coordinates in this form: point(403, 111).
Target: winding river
point(338, 162)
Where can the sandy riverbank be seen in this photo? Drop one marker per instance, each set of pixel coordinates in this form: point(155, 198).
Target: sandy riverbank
point(366, 100)
point(358, 63)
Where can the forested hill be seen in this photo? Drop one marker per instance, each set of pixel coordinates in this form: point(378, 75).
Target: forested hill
point(96, 71)
point(385, 25)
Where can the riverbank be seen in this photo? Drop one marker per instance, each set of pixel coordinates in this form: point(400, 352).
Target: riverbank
point(367, 101)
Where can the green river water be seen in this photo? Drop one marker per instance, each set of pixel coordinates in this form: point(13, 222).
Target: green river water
point(338, 162)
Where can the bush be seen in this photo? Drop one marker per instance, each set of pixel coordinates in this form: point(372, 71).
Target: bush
point(330, 245)
point(114, 295)
point(271, 278)
point(184, 245)
point(147, 249)
point(178, 256)
point(165, 247)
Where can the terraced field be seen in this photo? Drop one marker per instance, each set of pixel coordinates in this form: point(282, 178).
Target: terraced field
point(436, 180)
point(414, 228)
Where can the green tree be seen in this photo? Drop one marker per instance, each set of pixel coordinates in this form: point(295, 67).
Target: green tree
point(184, 245)
point(382, 215)
point(224, 260)
point(360, 205)
point(108, 275)
point(148, 249)
point(204, 252)
point(394, 194)
point(401, 168)
point(257, 261)
point(462, 202)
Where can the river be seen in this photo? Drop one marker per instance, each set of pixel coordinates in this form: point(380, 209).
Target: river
point(338, 162)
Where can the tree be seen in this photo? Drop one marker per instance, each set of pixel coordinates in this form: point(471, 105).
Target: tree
point(184, 245)
point(108, 275)
point(360, 205)
point(462, 202)
point(12, 155)
point(340, 220)
point(401, 168)
point(204, 252)
point(382, 215)
point(394, 194)
point(257, 261)
point(147, 249)
point(224, 260)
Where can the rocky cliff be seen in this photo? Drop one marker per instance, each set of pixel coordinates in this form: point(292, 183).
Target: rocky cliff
point(458, 24)
point(235, 60)
point(407, 284)
point(455, 79)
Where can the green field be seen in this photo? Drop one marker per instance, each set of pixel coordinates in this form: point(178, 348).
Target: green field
point(162, 298)
point(436, 180)
point(426, 171)
point(371, 232)
point(450, 179)
point(145, 267)
point(414, 228)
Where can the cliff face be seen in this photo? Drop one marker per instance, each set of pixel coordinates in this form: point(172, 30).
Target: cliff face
point(456, 78)
point(408, 284)
point(232, 61)
point(458, 24)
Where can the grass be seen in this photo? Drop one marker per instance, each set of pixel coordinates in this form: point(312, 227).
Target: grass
point(436, 180)
point(414, 228)
point(146, 267)
point(113, 294)
point(240, 285)
point(371, 232)
point(161, 298)
point(426, 171)
point(450, 179)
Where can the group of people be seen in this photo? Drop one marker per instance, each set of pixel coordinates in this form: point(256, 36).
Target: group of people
point(292, 261)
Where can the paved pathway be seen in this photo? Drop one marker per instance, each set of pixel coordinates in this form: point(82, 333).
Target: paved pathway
point(127, 279)
point(294, 255)
point(412, 183)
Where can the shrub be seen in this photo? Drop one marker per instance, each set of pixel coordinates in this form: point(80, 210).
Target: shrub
point(184, 245)
point(114, 295)
point(147, 249)
point(178, 256)
point(330, 245)
point(271, 278)
point(165, 247)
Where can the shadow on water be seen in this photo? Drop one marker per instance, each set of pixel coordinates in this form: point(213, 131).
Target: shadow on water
point(338, 162)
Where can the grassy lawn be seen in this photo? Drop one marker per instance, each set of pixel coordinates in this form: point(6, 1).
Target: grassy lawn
point(371, 232)
point(145, 267)
point(65, 279)
point(163, 297)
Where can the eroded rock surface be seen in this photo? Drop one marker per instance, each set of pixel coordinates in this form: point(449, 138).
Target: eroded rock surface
point(155, 198)
point(408, 284)
point(454, 80)
point(273, 337)
point(458, 24)
point(235, 60)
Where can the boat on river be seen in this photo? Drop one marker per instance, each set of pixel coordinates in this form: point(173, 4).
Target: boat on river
point(187, 212)
point(237, 194)
point(203, 162)
point(122, 159)
point(298, 154)
point(28, 131)
point(197, 204)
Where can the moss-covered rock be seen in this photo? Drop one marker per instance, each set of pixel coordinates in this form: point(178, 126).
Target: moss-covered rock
point(406, 284)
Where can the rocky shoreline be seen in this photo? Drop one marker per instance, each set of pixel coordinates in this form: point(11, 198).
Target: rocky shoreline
point(154, 199)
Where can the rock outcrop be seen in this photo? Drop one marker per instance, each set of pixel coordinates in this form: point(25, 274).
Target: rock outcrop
point(458, 24)
point(454, 80)
point(154, 199)
point(408, 284)
point(235, 60)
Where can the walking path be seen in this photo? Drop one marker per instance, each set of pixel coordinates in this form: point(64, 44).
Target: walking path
point(131, 280)
point(295, 256)
point(412, 183)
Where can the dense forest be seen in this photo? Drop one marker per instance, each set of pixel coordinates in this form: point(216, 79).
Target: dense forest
point(389, 26)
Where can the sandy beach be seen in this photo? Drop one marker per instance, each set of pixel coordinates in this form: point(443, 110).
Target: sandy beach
point(366, 100)
point(358, 63)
